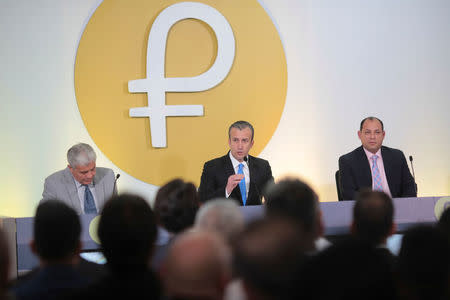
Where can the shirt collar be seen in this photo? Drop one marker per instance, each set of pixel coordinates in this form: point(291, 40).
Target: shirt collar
point(370, 154)
point(235, 162)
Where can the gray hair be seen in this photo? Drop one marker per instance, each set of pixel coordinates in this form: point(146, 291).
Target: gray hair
point(222, 216)
point(241, 125)
point(80, 154)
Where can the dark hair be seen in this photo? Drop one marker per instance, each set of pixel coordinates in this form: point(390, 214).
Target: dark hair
point(373, 215)
point(371, 119)
point(4, 262)
point(351, 268)
point(268, 255)
point(424, 262)
point(444, 222)
point(57, 230)
point(295, 199)
point(176, 205)
point(241, 125)
point(127, 231)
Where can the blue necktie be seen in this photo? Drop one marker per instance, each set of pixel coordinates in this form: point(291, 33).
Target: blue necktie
point(376, 175)
point(89, 204)
point(242, 184)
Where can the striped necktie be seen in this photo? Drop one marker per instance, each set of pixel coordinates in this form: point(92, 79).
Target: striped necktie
point(376, 177)
point(89, 204)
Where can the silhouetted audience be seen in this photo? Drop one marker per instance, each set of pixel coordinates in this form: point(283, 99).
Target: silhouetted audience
point(351, 269)
point(176, 204)
point(424, 264)
point(373, 221)
point(293, 198)
point(56, 242)
point(5, 264)
point(444, 222)
point(268, 256)
point(127, 232)
point(222, 216)
point(197, 266)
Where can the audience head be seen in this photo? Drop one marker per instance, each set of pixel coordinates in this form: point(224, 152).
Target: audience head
point(424, 264)
point(81, 158)
point(222, 216)
point(268, 255)
point(373, 216)
point(197, 266)
point(295, 199)
point(127, 231)
point(444, 222)
point(176, 204)
point(4, 263)
point(57, 232)
point(349, 269)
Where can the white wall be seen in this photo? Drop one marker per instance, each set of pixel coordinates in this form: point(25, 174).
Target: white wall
point(346, 60)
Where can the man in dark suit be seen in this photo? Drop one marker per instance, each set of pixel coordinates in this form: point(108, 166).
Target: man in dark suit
point(375, 166)
point(236, 175)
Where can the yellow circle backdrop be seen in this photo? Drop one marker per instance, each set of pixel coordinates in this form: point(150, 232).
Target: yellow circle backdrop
point(93, 227)
point(113, 51)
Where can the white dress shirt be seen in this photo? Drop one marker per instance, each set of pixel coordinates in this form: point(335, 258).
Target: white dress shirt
point(380, 165)
point(246, 171)
point(81, 190)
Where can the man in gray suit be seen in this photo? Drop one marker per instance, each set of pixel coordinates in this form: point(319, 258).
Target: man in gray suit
point(81, 185)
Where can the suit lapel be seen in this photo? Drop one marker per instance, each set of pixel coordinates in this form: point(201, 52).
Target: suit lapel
point(99, 191)
point(365, 172)
point(387, 167)
point(71, 189)
point(229, 170)
point(252, 173)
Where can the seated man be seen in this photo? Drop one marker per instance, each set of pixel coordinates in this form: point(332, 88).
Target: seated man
point(375, 166)
point(236, 175)
point(81, 185)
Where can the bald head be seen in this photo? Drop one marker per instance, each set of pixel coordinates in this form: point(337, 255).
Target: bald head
point(268, 255)
point(222, 216)
point(197, 266)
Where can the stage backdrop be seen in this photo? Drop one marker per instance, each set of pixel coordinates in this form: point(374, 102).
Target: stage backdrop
point(303, 72)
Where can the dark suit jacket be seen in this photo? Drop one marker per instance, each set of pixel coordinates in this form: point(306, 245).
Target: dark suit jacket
point(50, 282)
point(215, 177)
point(355, 173)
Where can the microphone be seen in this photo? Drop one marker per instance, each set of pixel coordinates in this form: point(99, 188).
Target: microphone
point(246, 160)
point(414, 176)
point(115, 184)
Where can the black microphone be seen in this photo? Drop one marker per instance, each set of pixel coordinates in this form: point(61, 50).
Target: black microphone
point(246, 160)
point(115, 184)
point(414, 175)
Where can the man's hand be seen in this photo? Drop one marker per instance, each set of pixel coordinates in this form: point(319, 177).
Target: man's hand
point(233, 181)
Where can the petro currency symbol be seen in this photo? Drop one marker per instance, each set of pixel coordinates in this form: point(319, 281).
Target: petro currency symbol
point(156, 84)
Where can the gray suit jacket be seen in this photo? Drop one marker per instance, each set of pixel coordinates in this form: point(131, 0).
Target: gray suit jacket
point(61, 186)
